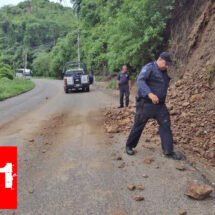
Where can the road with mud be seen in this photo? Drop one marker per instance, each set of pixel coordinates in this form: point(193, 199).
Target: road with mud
point(68, 165)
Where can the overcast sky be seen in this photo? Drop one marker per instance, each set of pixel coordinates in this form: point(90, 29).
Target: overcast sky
point(14, 2)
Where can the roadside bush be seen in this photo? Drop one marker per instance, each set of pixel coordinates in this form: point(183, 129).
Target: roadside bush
point(6, 72)
point(41, 65)
point(5, 79)
point(112, 84)
point(99, 78)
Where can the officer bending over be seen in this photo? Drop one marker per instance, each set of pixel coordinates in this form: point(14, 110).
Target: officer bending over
point(153, 82)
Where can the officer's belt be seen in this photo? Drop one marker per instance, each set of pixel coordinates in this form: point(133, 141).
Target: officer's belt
point(147, 101)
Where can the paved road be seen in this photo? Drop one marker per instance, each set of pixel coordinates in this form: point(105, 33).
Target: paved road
point(67, 164)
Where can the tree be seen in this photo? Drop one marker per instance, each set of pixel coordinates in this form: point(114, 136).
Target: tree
point(123, 31)
point(41, 65)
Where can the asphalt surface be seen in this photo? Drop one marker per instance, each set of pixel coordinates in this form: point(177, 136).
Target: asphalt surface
point(68, 165)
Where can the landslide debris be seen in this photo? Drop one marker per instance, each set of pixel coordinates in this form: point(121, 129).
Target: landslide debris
point(193, 121)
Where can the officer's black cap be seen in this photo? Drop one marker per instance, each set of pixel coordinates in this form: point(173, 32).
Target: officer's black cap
point(166, 56)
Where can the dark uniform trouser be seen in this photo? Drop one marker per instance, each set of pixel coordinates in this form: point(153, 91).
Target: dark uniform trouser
point(124, 91)
point(144, 112)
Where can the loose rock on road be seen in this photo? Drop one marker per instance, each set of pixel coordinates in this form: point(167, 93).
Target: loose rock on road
point(68, 165)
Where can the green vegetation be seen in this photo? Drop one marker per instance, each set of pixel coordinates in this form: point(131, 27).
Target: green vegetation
point(116, 32)
point(99, 78)
point(6, 71)
point(9, 88)
point(112, 84)
point(31, 30)
point(112, 33)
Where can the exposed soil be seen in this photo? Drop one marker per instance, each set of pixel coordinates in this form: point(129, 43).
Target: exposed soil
point(191, 97)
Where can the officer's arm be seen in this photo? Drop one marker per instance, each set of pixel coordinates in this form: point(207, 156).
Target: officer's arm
point(142, 85)
point(118, 78)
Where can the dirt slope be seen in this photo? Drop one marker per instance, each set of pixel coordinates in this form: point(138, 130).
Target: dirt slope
point(192, 98)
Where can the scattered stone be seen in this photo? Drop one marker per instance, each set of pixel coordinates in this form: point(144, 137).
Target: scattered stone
point(124, 122)
point(44, 151)
point(182, 212)
point(195, 98)
point(211, 155)
point(198, 191)
point(139, 198)
point(180, 166)
point(145, 176)
point(149, 147)
point(31, 190)
point(148, 160)
point(118, 158)
point(178, 83)
point(122, 165)
point(131, 187)
point(140, 187)
point(174, 112)
point(185, 104)
point(112, 129)
point(31, 140)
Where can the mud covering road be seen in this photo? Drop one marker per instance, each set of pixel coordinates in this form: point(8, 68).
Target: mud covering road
point(68, 165)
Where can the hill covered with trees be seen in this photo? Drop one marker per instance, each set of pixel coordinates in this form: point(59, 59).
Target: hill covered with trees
point(113, 32)
point(30, 31)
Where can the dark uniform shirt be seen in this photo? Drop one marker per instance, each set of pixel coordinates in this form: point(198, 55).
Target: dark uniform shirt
point(152, 80)
point(123, 78)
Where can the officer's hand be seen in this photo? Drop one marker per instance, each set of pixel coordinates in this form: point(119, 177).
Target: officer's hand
point(154, 98)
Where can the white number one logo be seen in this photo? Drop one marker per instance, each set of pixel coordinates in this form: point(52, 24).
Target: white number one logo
point(7, 170)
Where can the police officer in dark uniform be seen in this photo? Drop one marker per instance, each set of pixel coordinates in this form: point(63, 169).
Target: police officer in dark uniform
point(153, 82)
point(124, 86)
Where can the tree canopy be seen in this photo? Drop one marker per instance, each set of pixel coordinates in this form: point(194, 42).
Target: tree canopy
point(31, 29)
point(116, 32)
point(112, 33)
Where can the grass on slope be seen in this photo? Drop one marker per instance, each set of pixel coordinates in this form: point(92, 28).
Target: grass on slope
point(10, 88)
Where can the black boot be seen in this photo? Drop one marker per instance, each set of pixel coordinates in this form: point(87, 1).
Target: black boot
point(176, 156)
point(129, 150)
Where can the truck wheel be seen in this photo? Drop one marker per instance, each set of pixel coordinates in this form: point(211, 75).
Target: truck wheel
point(66, 91)
point(87, 89)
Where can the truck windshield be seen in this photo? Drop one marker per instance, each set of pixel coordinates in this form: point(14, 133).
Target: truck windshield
point(73, 72)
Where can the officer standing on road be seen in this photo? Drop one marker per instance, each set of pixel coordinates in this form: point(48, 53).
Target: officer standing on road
point(153, 82)
point(124, 86)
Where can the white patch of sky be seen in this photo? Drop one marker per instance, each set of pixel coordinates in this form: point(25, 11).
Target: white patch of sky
point(65, 3)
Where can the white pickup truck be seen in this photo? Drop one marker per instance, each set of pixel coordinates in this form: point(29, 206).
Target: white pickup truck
point(76, 79)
